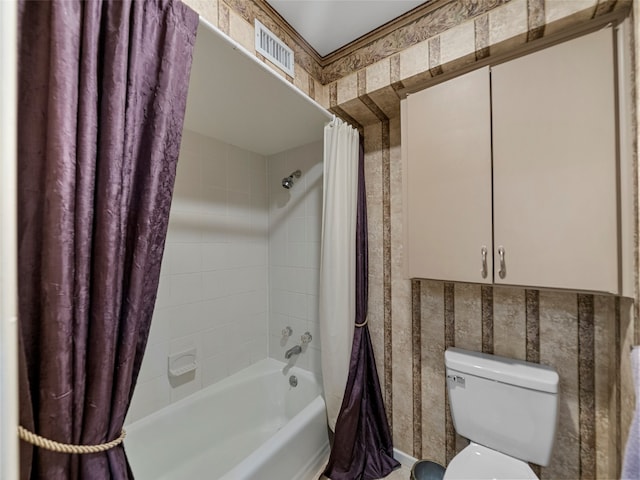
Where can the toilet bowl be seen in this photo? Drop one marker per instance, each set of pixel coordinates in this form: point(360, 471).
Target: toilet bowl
point(508, 410)
point(482, 463)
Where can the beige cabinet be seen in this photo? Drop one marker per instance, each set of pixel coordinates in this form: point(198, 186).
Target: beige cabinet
point(519, 158)
point(448, 181)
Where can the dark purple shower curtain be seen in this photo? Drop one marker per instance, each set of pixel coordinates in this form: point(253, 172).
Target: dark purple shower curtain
point(102, 96)
point(362, 447)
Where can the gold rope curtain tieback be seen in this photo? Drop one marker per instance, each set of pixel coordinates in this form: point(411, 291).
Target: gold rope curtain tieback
point(360, 325)
point(54, 446)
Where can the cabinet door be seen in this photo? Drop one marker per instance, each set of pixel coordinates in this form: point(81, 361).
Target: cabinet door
point(448, 180)
point(554, 146)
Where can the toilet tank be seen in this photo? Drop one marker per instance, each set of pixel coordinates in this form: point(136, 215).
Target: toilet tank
point(508, 405)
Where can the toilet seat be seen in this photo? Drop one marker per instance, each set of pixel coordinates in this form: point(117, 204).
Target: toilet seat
point(481, 463)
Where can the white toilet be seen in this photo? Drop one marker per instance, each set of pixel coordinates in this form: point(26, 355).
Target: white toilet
point(507, 408)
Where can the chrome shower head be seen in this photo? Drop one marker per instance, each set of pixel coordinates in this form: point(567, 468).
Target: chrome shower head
point(288, 182)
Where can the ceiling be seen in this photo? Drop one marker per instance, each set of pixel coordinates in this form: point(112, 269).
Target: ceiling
point(328, 25)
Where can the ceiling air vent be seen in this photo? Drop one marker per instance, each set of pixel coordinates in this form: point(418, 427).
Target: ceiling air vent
point(274, 49)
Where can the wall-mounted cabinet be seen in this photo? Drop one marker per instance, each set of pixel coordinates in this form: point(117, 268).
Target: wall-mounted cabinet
point(511, 172)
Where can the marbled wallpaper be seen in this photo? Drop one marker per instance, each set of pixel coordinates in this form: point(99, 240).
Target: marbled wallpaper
point(585, 337)
point(466, 34)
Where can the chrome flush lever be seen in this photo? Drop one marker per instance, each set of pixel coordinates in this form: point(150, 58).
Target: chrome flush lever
point(457, 379)
point(503, 267)
point(483, 272)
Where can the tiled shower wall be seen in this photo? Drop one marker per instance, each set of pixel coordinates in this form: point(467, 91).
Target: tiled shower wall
point(213, 291)
point(295, 217)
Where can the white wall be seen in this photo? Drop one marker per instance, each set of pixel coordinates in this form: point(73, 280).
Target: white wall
point(8, 249)
point(213, 287)
point(295, 217)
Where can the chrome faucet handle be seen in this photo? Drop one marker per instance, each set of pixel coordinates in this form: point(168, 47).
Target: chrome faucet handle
point(306, 338)
point(287, 331)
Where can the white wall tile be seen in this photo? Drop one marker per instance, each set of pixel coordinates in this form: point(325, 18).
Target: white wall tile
point(258, 180)
point(313, 228)
point(185, 288)
point(214, 341)
point(276, 347)
point(215, 201)
point(258, 302)
point(186, 319)
point(297, 279)
point(214, 284)
point(312, 281)
point(163, 297)
point(278, 302)
point(314, 329)
point(315, 364)
point(277, 323)
point(312, 255)
point(258, 349)
point(154, 363)
point(296, 254)
point(297, 230)
point(214, 164)
point(298, 305)
point(238, 305)
point(239, 206)
point(294, 249)
point(277, 277)
point(214, 369)
point(239, 358)
point(312, 308)
point(213, 292)
point(149, 397)
point(214, 229)
point(215, 256)
point(159, 331)
point(238, 173)
point(182, 258)
point(184, 227)
point(297, 207)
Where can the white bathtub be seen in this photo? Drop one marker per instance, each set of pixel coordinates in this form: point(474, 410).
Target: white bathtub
point(250, 426)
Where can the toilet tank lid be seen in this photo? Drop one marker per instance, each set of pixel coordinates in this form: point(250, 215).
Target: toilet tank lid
point(503, 369)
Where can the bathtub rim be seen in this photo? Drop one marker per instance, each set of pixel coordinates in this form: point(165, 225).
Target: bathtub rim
point(256, 370)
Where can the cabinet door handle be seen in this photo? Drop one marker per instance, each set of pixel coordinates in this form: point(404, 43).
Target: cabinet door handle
point(483, 272)
point(503, 267)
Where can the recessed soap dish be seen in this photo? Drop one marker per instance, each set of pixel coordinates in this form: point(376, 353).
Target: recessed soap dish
point(182, 362)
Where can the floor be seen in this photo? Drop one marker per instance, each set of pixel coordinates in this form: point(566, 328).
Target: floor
point(403, 473)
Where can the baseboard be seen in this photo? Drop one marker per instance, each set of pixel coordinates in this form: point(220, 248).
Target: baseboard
point(405, 459)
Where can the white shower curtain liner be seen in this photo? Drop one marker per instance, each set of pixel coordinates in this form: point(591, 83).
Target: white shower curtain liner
point(337, 302)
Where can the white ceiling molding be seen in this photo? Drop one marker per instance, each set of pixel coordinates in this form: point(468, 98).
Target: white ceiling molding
point(328, 25)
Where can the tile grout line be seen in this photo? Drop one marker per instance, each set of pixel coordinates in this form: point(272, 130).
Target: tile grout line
point(416, 345)
point(532, 319)
point(449, 341)
point(586, 386)
point(386, 269)
point(487, 318)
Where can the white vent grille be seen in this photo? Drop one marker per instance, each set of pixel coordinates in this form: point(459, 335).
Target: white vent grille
point(274, 49)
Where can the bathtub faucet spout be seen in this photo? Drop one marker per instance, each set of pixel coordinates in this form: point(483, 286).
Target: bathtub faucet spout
point(297, 350)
